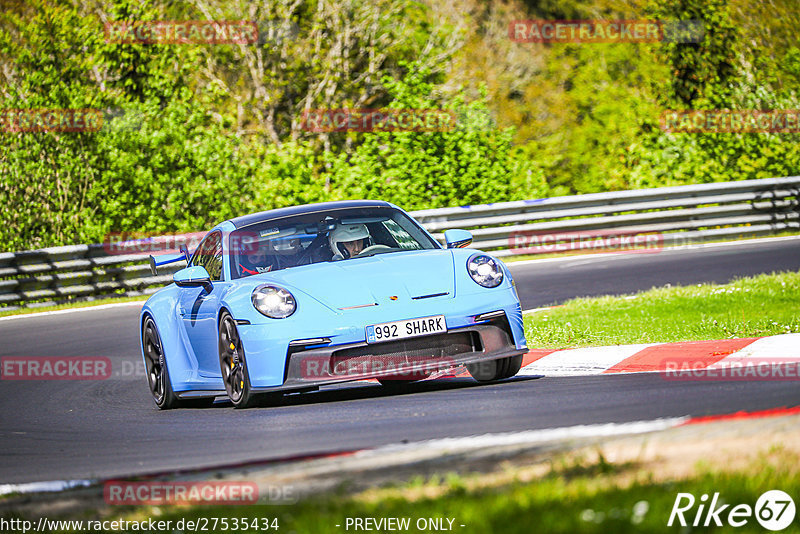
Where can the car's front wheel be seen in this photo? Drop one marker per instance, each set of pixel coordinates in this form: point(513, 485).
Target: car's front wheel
point(489, 371)
point(233, 364)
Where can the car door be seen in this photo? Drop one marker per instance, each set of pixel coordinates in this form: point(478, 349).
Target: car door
point(198, 306)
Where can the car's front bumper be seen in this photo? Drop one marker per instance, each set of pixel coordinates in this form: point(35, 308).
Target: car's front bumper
point(272, 354)
point(407, 359)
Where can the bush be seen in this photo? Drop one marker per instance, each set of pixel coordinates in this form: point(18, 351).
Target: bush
point(468, 164)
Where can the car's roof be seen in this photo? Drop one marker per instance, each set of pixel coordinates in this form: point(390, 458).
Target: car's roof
point(246, 220)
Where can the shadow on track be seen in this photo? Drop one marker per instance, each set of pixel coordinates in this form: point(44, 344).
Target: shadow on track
point(359, 391)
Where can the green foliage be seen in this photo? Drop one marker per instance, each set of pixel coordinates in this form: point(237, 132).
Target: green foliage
point(45, 178)
point(197, 133)
point(609, 102)
point(701, 72)
point(287, 176)
point(588, 115)
point(168, 169)
point(464, 164)
point(157, 164)
point(718, 73)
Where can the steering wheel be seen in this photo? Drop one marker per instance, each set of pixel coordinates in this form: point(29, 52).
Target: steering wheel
point(372, 249)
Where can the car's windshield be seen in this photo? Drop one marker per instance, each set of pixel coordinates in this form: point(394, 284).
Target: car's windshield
point(333, 235)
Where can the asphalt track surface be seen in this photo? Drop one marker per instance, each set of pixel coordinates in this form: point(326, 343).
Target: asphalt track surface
point(57, 430)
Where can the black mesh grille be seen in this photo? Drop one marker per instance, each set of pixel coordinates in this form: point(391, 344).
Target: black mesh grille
point(414, 351)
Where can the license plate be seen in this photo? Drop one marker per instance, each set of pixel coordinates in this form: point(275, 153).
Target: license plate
point(422, 326)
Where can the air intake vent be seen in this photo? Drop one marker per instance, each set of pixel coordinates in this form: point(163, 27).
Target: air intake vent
point(431, 296)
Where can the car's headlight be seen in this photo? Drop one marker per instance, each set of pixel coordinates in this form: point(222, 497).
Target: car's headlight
point(485, 271)
point(274, 301)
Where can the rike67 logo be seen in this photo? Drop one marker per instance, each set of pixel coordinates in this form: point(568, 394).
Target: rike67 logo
point(774, 510)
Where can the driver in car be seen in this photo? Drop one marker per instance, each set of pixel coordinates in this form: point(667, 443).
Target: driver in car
point(348, 240)
point(254, 261)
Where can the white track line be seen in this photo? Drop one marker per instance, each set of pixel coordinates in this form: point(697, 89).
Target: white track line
point(537, 436)
point(39, 487)
point(139, 303)
point(536, 310)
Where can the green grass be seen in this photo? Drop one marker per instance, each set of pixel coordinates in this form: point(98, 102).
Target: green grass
point(575, 496)
point(69, 305)
point(748, 307)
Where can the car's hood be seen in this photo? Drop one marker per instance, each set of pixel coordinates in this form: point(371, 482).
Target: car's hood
point(363, 281)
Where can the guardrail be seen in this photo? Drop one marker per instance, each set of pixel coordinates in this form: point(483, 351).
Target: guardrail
point(678, 215)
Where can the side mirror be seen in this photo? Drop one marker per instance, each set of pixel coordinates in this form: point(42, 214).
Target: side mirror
point(195, 276)
point(457, 238)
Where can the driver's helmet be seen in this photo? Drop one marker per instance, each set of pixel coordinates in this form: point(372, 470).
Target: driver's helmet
point(254, 261)
point(344, 233)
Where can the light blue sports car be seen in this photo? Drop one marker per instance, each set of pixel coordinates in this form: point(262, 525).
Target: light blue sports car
point(295, 298)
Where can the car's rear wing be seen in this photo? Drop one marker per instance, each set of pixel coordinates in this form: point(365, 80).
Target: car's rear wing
point(164, 259)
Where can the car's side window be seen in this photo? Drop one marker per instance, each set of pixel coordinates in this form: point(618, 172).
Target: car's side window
point(200, 255)
point(214, 264)
point(400, 235)
point(209, 255)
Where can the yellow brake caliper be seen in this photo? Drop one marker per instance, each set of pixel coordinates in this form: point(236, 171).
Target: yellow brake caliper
point(233, 348)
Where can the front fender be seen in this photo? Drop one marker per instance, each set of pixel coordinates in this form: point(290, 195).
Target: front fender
point(181, 362)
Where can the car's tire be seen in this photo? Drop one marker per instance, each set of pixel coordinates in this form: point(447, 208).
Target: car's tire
point(233, 364)
point(489, 371)
point(514, 364)
point(156, 367)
